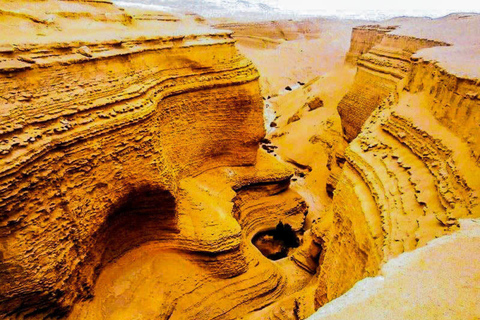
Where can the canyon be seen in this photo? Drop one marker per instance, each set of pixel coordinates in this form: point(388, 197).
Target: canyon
point(158, 165)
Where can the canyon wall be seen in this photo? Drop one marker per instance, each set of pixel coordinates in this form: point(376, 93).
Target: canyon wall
point(290, 51)
point(413, 170)
point(225, 208)
point(269, 34)
point(105, 121)
point(132, 184)
point(363, 39)
point(382, 60)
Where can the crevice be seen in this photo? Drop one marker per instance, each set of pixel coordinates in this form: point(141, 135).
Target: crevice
point(277, 243)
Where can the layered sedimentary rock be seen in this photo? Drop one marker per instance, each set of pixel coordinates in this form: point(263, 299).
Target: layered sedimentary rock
point(132, 185)
point(383, 59)
point(409, 177)
point(158, 280)
point(413, 170)
point(363, 39)
point(272, 33)
point(419, 284)
point(290, 51)
point(107, 123)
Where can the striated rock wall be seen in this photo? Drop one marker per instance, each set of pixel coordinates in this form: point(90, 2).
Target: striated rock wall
point(131, 184)
point(156, 280)
point(382, 59)
point(452, 99)
point(410, 174)
point(363, 39)
point(269, 34)
point(420, 284)
point(97, 133)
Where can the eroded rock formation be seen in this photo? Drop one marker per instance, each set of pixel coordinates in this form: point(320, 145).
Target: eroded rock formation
point(136, 181)
point(383, 59)
point(111, 126)
point(418, 284)
point(410, 174)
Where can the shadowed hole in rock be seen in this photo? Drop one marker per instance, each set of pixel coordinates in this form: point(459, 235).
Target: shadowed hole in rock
point(330, 189)
point(145, 214)
point(276, 243)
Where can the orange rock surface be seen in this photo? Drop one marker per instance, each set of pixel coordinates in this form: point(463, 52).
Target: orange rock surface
point(410, 171)
point(121, 130)
point(156, 165)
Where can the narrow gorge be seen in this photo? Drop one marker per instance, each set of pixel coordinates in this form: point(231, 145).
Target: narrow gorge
point(165, 165)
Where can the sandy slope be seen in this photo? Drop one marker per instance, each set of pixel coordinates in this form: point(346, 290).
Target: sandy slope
point(438, 281)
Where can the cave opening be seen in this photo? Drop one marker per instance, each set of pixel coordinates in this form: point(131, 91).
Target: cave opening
point(330, 190)
point(277, 243)
point(145, 214)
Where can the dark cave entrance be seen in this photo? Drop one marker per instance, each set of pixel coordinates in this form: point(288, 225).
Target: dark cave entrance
point(145, 214)
point(276, 243)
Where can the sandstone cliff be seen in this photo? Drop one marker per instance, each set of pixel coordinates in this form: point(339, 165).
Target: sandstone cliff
point(132, 184)
point(112, 126)
point(382, 59)
point(419, 284)
point(413, 170)
point(289, 51)
point(408, 176)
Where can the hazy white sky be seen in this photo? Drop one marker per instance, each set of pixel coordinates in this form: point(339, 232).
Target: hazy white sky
point(363, 9)
point(414, 7)
point(424, 5)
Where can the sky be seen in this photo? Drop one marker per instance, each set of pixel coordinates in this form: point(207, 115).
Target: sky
point(383, 5)
point(362, 9)
point(388, 8)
